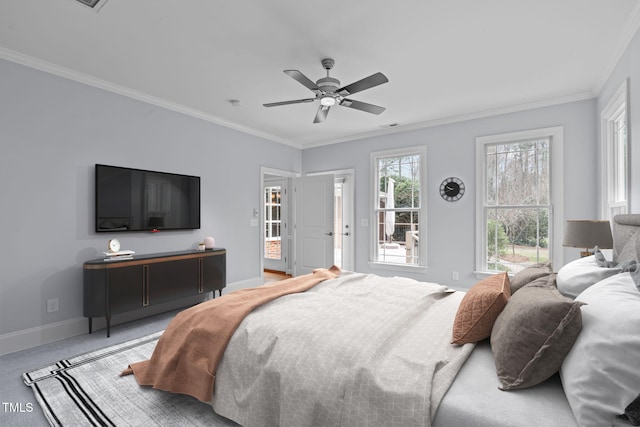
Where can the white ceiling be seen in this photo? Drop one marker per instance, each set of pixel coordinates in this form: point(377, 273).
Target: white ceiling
point(445, 60)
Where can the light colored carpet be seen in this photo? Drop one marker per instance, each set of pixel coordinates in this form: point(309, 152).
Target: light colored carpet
point(25, 410)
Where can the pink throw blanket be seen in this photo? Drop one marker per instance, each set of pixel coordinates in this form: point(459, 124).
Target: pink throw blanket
point(188, 352)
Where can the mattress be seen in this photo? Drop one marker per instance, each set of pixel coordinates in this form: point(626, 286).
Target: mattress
point(475, 400)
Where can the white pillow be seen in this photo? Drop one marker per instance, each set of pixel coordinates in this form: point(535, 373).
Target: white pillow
point(601, 373)
point(578, 275)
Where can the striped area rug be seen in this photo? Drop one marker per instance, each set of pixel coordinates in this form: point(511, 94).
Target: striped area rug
point(87, 390)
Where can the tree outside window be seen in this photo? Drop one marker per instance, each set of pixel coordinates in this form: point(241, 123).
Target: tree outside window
point(517, 204)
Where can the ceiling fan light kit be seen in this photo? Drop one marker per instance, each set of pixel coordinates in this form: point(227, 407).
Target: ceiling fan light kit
point(329, 92)
point(328, 101)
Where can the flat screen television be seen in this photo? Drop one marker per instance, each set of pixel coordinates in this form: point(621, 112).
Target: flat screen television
point(141, 200)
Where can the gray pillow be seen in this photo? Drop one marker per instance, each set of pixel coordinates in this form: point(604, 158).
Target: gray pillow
point(529, 274)
point(601, 261)
point(533, 334)
point(631, 249)
point(632, 411)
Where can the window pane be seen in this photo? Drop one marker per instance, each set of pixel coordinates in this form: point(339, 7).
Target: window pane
point(272, 249)
point(517, 238)
point(399, 185)
point(518, 173)
point(275, 229)
point(492, 175)
point(619, 159)
point(398, 233)
point(496, 240)
point(544, 183)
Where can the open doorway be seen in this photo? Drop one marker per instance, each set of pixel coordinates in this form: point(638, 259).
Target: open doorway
point(276, 223)
point(277, 249)
point(276, 231)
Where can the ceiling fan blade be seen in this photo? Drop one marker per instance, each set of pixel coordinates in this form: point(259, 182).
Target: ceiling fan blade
point(366, 83)
point(321, 114)
point(302, 79)
point(362, 106)
point(295, 101)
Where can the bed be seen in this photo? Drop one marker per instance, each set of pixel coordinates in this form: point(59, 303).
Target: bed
point(538, 348)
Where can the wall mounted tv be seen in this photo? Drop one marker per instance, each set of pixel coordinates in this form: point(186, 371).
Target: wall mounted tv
point(140, 200)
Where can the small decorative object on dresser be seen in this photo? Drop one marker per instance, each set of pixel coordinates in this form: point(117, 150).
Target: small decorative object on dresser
point(209, 242)
point(114, 245)
point(116, 253)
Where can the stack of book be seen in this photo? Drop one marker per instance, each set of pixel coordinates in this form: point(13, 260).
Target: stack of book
point(119, 256)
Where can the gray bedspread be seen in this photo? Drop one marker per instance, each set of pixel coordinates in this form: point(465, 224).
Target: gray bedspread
point(357, 350)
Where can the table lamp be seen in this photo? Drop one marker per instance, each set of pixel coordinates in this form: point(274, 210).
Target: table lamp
point(587, 234)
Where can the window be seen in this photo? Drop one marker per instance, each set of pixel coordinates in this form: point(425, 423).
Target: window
point(398, 177)
point(515, 205)
point(614, 155)
point(272, 222)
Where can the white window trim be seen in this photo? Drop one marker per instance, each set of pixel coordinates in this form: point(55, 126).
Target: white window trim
point(556, 227)
point(373, 160)
point(613, 108)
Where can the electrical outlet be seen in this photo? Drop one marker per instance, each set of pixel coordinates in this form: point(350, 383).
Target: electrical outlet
point(455, 275)
point(52, 305)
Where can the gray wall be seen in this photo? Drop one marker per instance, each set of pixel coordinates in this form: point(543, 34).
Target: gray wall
point(53, 131)
point(450, 227)
point(451, 152)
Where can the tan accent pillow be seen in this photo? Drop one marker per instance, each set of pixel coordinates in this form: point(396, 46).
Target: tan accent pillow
point(479, 308)
point(533, 334)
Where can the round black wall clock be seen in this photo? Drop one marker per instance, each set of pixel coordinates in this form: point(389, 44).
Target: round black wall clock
point(452, 189)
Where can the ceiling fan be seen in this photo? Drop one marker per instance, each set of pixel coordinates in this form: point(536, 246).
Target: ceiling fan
point(329, 92)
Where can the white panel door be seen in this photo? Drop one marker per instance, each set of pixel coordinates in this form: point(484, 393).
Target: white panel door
point(313, 223)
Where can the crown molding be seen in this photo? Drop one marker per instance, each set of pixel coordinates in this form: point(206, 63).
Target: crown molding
point(88, 80)
point(630, 30)
point(460, 118)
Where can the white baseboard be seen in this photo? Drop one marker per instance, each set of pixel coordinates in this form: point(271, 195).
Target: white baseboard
point(44, 334)
point(243, 284)
point(33, 337)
